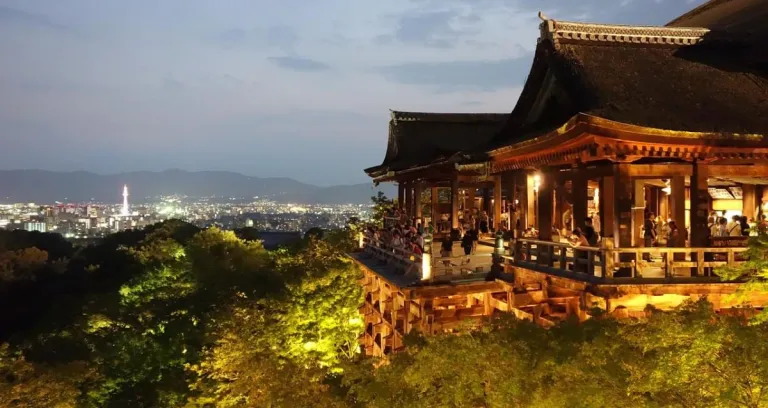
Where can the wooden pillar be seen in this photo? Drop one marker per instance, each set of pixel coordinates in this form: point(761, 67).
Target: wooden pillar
point(749, 201)
point(545, 205)
point(509, 184)
point(638, 212)
point(699, 206)
point(530, 202)
point(454, 202)
point(607, 199)
point(471, 198)
point(521, 178)
point(400, 195)
point(677, 201)
point(435, 208)
point(417, 189)
point(408, 201)
point(579, 197)
point(653, 199)
point(622, 206)
point(560, 205)
point(486, 200)
point(496, 202)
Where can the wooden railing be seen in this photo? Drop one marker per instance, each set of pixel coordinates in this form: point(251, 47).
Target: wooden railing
point(615, 263)
point(408, 262)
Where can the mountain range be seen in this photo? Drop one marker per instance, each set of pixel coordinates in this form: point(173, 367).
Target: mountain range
point(41, 186)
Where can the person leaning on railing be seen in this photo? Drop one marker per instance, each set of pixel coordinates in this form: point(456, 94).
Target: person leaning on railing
point(578, 239)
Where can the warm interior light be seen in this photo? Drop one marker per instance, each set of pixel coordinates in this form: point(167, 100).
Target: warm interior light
point(667, 189)
point(596, 198)
point(536, 182)
point(426, 266)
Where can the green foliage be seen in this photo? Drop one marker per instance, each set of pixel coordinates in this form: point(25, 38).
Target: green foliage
point(178, 317)
point(22, 264)
point(382, 206)
point(754, 269)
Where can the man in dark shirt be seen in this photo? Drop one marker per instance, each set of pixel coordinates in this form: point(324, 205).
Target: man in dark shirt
point(589, 232)
point(649, 233)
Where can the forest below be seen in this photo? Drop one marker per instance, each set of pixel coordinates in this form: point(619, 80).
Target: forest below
point(175, 316)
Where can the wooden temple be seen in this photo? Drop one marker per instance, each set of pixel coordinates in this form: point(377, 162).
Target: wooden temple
point(614, 123)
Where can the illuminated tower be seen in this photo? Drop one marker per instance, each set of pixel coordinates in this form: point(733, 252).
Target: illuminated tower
point(124, 212)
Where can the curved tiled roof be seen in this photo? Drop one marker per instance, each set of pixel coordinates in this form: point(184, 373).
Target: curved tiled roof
point(419, 138)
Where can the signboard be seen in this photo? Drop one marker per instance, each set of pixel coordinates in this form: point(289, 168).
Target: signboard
point(728, 242)
point(720, 193)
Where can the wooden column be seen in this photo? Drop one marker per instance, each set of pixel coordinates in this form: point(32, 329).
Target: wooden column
point(579, 197)
point(546, 205)
point(607, 199)
point(530, 202)
point(749, 201)
point(471, 198)
point(496, 202)
point(560, 205)
point(699, 206)
point(401, 195)
point(521, 178)
point(509, 184)
point(417, 189)
point(486, 200)
point(622, 206)
point(455, 202)
point(677, 201)
point(408, 201)
point(638, 212)
point(435, 207)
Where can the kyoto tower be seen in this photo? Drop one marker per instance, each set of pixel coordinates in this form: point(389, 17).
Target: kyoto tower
point(124, 211)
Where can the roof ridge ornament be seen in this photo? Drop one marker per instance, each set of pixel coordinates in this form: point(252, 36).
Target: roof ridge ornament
point(568, 31)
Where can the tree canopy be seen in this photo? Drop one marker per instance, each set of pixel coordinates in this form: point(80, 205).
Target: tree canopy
point(175, 316)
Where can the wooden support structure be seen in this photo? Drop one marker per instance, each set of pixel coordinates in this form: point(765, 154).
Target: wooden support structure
point(677, 200)
point(497, 201)
point(638, 212)
point(434, 196)
point(579, 196)
point(455, 203)
point(409, 201)
point(530, 201)
point(417, 207)
point(545, 205)
point(607, 208)
point(622, 206)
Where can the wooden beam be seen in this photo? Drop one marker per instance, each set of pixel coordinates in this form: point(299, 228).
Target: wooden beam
point(659, 170)
point(718, 170)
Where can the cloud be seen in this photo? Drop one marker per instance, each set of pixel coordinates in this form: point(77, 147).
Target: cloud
point(299, 64)
point(461, 75)
point(430, 29)
point(11, 15)
point(281, 37)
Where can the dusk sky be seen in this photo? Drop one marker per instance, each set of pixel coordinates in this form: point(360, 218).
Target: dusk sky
point(293, 88)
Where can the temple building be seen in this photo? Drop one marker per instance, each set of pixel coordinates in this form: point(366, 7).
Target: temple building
point(618, 124)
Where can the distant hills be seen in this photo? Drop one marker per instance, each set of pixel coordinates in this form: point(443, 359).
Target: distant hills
point(47, 187)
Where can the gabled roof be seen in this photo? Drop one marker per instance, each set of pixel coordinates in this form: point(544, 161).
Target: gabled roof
point(672, 78)
point(418, 138)
point(742, 17)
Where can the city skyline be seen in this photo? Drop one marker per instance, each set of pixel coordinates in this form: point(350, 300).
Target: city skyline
point(268, 91)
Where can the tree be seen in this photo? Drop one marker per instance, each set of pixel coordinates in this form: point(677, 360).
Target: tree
point(25, 384)
point(754, 269)
point(382, 207)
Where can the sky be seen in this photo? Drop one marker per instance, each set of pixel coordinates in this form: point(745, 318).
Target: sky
point(289, 88)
